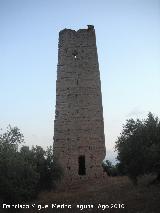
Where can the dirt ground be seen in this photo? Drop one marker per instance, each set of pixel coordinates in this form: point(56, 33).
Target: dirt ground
point(117, 194)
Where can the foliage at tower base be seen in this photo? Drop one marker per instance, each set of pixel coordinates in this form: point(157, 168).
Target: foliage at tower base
point(138, 147)
point(25, 172)
point(110, 169)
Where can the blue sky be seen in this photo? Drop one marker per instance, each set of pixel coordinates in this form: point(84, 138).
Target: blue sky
point(128, 42)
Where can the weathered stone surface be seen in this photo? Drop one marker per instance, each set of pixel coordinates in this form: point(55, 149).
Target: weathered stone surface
point(79, 143)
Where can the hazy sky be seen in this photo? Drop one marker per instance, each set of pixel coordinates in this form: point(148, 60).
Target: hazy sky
point(128, 42)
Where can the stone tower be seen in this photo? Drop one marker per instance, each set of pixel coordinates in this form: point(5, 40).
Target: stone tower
point(79, 143)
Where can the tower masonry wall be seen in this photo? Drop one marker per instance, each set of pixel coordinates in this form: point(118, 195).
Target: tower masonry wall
point(79, 142)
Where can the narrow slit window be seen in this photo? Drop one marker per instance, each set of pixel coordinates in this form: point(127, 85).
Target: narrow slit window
point(75, 53)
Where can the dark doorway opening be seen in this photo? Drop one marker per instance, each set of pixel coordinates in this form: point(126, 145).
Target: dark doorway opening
point(82, 168)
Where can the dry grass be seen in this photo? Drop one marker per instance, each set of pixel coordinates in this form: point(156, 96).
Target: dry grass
point(119, 190)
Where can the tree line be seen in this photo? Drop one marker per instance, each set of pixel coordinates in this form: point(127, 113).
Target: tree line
point(24, 172)
point(138, 148)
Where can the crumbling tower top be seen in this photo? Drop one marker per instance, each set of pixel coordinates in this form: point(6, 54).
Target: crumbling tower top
point(90, 28)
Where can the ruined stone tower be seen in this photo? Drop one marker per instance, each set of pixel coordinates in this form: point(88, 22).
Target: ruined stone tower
point(79, 143)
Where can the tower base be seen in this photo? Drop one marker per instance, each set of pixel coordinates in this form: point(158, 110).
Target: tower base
point(81, 182)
